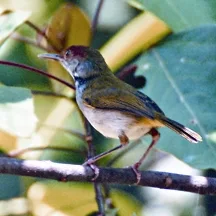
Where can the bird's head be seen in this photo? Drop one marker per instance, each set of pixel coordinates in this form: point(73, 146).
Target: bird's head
point(80, 61)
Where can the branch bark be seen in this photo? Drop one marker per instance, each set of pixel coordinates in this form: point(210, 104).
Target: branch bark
point(68, 172)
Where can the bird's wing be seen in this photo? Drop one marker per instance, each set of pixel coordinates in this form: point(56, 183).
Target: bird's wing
point(122, 100)
point(149, 102)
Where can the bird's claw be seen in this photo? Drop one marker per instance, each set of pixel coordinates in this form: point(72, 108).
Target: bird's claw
point(137, 173)
point(94, 168)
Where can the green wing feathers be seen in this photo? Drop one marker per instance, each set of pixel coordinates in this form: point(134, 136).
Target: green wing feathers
point(120, 100)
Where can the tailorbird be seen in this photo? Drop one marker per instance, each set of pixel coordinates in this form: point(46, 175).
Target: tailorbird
point(114, 108)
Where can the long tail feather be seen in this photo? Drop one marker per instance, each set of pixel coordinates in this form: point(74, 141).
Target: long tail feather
point(185, 132)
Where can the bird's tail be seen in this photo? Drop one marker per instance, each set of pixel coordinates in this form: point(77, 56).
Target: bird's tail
point(181, 129)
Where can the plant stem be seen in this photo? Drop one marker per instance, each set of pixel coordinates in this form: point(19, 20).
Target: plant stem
point(89, 138)
point(26, 67)
point(19, 37)
point(96, 17)
point(99, 199)
point(47, 93)
point(42, 33)
point(69, 131)
point(91, 153)
point(16, 153)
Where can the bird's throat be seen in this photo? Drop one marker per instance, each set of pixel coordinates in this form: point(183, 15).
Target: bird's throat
point(82, 83)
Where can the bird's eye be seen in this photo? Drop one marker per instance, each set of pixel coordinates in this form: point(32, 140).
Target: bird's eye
point(68, 53)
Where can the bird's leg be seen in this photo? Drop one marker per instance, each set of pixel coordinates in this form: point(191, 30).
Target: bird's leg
point(155, 137)
point(123, 141)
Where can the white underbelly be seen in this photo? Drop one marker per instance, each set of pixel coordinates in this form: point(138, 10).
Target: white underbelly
point(113, 123)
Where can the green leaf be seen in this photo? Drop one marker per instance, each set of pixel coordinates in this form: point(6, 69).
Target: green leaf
point(180, 15)
point(9, 21)
point(17, 111)
point(181, 75)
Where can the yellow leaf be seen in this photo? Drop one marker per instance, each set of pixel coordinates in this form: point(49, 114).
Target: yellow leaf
point(62, 199)
point(75, 199)
point(8, 141)
point(138, 35)
point(69, 26)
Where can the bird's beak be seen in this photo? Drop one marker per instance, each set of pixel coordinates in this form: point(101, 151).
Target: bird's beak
point(53, 56)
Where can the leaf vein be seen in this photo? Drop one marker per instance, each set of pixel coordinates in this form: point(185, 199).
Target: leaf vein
point(177, 90)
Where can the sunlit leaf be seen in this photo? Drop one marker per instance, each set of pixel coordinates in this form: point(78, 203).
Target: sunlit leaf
point(9, 21)
point(82, 200)
point(69, 26)
point(17, 111)
point(180, 15)
point(8, 141)
point(138, 35)
point(14, 206)
point(181, 76)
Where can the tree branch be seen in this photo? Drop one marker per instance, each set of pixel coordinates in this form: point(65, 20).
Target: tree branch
point(67, 172)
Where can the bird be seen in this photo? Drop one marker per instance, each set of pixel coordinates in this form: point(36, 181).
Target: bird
point(114, 108)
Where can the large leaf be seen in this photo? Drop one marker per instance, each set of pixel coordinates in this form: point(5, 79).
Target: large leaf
point(9, 21)
point(180, 15)
point(181, 75)
point(17, 111)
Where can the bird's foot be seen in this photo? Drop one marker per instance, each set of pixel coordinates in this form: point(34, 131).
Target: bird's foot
point(135, 169)
point(94, 168)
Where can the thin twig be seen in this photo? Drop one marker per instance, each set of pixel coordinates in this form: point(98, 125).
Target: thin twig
point(68, 172)
point(96, 17)
point(26, 67)
point(21, 38)
point(37, 29)
point(42, 33)
point(48, 93)
point(99, 199)
point(89, 138)
point(69, 131)
point(91, 153)
point(108, 201)
point(16, 153)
